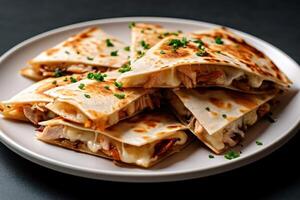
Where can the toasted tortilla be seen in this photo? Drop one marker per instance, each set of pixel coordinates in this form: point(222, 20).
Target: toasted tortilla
point(99, 104)
point(86, 51)
point(143, 37)
point(142, 140)
point(218, 117)
point(29, 104)
point(215, 57)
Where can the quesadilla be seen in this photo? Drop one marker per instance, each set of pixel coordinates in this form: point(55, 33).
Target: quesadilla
point(145, 36)
point(218, 117)
point(209, 58)
point(99, 103)
point(29, 104)
point(142, 140)
point(90, 50)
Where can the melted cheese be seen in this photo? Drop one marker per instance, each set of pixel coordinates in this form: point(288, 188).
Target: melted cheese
point(142, 156)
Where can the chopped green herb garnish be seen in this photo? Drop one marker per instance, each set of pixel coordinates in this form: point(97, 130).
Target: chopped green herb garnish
point(89, 58)
point(144, 44)
point(127, 48)
point(224, 116)
point(54, 82)
point(218, 40)
point(67, 52)
point(118, 84)
point(109, 43)
point(201, 53)
point(162, 52)
point(131, 24)
point(199, 42)
point(106, 87)
point(114, 53)
point(119, 96)
point(142, 31)
point(140, 54)
point(207, 108)
point(125, 68)
point(211, 156)
point(231, 155)
point(175, 43)
point(81, 86)
point(73, 80)
point(87, 96)
point(66, 79)
point(58, 72)
point(259, 143)
point(96, 76)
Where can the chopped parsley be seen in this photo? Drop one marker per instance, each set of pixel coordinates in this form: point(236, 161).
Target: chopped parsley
point(207, 108)
point(67, 52)
point(66, 79)
point(127, 48)
point(114, 53)
point(142, 31)
point(106, 87)
point(211, 156)
point(224, 116)
point(131, 24)
point(140, 54)
point(125, 68)
point(109, 43)
point(200, 43)
point(219, 40)
point(118, 84)
point(96, 76)
point(81, 86)
point(144, 44)
point(89, 58)
point(232, 155)
point(259, 143)
point(87, 96)
point(58, 72)
point(54, 82)
point(201, 53)
point(73, 80)
point(119, 96)
point(162, 52)
point(175, 43)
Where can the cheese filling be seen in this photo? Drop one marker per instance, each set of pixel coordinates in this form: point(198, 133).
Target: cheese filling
point(227, 136)
point(140, 155)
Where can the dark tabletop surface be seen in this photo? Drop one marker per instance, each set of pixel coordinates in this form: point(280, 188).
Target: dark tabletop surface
point(274, 177)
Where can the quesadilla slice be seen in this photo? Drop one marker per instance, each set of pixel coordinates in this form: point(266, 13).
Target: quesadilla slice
point(145, 36)
point(218, 117)
point(29, 104)
point(142, 140)
point(209, 58)
point(99, 103)
point(90, 50)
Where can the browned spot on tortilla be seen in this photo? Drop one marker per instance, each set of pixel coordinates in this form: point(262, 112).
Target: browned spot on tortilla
point(146, 137)
point(229, 118)
point(66, 92)
point(243, 110)
point(217, 102)
point(174, 126)
point(243, 99)
point(76, 39)
point(145, 26)
point(140, 130)
point(171, 53)
point(214, 113)
point(151, 123)
point(50, 52)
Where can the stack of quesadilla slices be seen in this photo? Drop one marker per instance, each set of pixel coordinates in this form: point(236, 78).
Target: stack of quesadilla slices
point(137, 104)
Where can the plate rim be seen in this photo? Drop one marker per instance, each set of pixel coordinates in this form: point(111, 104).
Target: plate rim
point(143, 176)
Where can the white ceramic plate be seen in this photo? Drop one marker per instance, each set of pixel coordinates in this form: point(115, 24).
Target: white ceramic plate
point(192, 162)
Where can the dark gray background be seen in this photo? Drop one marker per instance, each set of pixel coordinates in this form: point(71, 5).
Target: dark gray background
point(277, 22)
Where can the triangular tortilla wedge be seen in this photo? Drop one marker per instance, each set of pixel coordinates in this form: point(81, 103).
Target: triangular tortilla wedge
point(142, 140)
point(91, 49)
point(218, 117)
point(143, 37)
point(29, 104)
point(209, 58)
point(98, 104)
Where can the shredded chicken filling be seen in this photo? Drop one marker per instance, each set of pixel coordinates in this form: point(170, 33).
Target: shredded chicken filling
point(95, 142)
